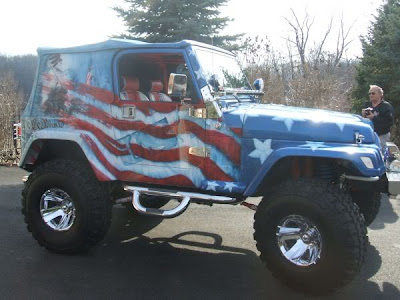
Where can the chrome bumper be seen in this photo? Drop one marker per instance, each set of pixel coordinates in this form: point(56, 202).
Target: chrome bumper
point(394, 183)
point(362, 178)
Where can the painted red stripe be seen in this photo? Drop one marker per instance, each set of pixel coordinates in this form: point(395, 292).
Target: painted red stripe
point(212, 171)
point(209, 168)
point(109, 97)
point(230, 147)
point(31, 159)
point(111, 145)
point(36, 147)
point(237, 131)
point(100, 94)
point(45, 90)
point(100, 175)
point(176, 180)
point(226, 144)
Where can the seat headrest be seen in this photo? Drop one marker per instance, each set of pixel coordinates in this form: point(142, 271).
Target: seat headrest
point(130, 84)
point(156, 86)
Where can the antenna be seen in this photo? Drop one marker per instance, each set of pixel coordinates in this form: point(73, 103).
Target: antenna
point(214, 82)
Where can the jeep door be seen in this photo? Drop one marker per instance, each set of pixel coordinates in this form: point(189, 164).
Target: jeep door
point(157, 140)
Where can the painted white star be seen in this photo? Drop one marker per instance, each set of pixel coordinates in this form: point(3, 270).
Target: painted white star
point(314, 145)
point(229, 186)
point(262, 151)
point(192, 53)
point(242, 117)
point(198, 74)
point(317, 117)
point(211, 185)
point(340, 125)
point(288, 120)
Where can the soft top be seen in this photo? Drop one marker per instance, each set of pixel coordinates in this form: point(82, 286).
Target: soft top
point(125, 44)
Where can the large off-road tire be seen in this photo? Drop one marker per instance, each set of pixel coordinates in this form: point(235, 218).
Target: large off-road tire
point(310, 235)
point(369, 204)
point(65, 207)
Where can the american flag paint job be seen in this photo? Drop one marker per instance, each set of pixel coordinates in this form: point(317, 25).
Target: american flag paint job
point(75, 98)
point(153, 147)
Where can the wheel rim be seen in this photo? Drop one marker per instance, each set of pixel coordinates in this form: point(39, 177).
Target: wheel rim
point(57, 209)
point(299, 240)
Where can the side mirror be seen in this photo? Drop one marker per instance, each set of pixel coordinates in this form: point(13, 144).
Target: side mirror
point(259, 84)
point(177, 85)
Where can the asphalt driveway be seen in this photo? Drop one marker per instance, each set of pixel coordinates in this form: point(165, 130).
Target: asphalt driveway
point(207, 253)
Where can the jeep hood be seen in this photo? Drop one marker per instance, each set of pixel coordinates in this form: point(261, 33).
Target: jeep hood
point(267, 121)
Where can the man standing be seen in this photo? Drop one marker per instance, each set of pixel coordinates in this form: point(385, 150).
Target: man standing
point(380, 113)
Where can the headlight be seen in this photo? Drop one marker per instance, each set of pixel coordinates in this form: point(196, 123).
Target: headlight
point(367, 162)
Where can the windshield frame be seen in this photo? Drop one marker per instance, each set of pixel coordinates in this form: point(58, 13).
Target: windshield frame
point(220, 71)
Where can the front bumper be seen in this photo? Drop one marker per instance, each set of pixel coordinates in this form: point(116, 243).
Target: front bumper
point(371, 184)
point(393, 183)
point(393, 169)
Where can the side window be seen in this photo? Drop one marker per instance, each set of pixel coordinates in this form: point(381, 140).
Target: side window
point(130, 79)
point(144, 77)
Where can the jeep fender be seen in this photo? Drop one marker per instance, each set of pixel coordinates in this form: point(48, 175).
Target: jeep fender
point(348, 153)
point(31, 149)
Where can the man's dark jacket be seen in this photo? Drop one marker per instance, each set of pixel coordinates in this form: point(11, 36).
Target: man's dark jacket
point(383, 117)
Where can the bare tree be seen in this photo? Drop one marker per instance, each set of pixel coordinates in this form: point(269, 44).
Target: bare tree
point(321, 44)
point(342, 42)
point(301, 32)
point(10, 105)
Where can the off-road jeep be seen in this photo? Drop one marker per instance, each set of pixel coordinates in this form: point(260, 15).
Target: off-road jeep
point(139, 123)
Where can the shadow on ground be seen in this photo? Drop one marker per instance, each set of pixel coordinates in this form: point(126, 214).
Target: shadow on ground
point(387, 214)
point(130, 264)
point(191, 264)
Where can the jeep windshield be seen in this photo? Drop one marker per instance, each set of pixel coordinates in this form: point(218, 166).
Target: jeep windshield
point(221, 71)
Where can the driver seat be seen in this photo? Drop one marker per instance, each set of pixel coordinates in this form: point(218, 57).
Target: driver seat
point(155, 93)
point(130, 89)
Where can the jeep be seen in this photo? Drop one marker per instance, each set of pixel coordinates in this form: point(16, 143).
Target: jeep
point(142, 124)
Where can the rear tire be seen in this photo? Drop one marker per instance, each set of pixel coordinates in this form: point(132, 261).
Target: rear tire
point(65, 207)
point(369, 204)
point(310, 235)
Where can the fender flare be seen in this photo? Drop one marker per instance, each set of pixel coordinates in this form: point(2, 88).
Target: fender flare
point(75, 136)
point(350, 153)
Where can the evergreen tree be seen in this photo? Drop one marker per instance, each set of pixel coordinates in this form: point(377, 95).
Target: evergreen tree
point(381, 58)
point(175, 20)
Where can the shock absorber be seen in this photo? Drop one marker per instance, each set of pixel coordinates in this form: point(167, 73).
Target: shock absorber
point(325, 171)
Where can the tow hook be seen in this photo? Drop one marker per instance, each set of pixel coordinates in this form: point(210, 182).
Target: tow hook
point(249, 205)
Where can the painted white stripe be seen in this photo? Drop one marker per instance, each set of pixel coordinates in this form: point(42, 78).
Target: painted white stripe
point(158, 170)
point(75, 136)
point(156, 118)
point(151, 142)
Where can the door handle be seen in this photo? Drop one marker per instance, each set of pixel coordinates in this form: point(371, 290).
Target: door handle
point(128, 111)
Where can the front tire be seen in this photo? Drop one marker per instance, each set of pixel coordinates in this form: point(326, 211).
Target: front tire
point(369, 204)
point(65, 207)
point(310, 235)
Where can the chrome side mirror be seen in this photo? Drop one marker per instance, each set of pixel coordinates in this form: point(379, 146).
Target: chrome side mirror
point(177, 85)
point(259, 84)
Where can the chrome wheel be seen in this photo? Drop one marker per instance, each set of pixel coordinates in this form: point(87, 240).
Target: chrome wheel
point(299, 240)
point(57, 209)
